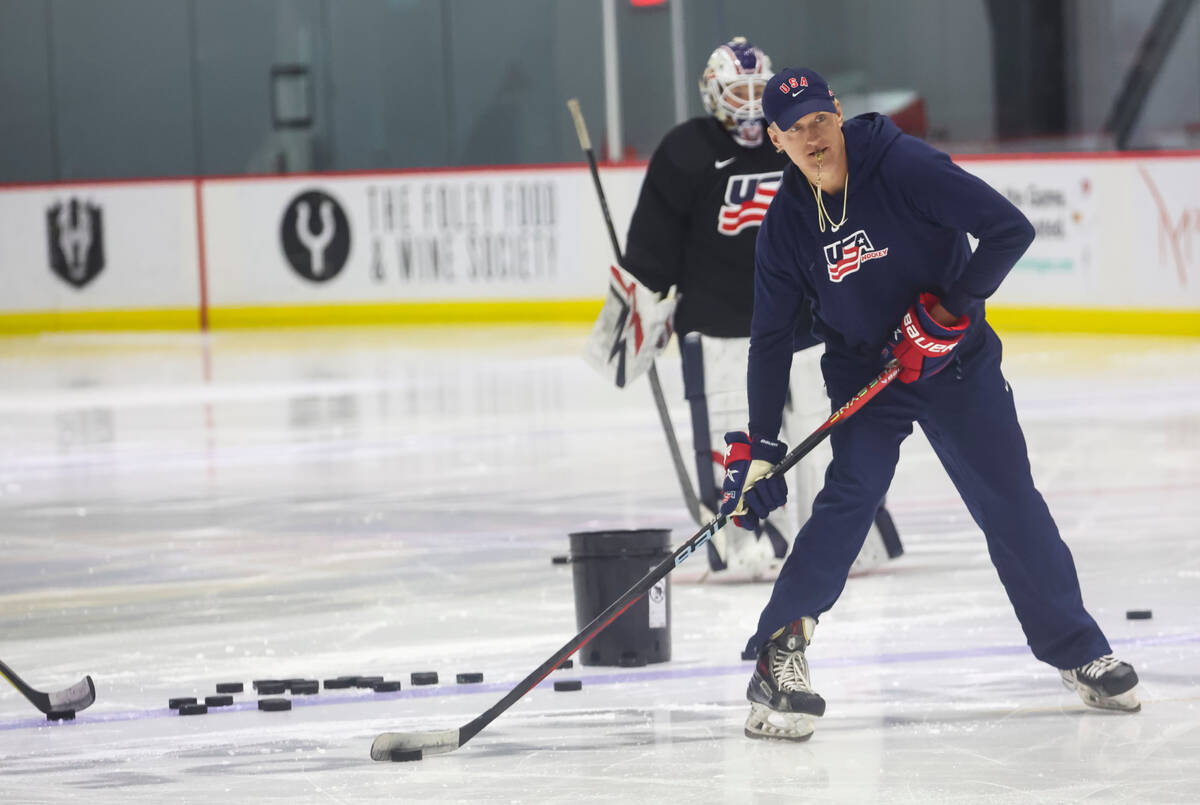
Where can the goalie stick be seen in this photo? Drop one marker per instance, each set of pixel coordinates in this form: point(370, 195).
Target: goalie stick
point(439, 741)
point(77, 697)
point(699, 512)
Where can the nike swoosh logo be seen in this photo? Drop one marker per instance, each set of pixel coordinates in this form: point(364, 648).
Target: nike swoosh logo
point(797, 92)
point(721, 163)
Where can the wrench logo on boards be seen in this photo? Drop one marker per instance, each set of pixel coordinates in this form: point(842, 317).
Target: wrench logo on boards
point(315, 235)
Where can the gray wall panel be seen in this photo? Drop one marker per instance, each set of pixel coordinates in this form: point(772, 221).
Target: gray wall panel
point(390, 100)
point(237, 42)
point(122, 72)
point(514, 64)
point(26, 115)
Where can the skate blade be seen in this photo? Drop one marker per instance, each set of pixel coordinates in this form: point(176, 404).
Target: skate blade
point(1126, 702)
point(765, 724)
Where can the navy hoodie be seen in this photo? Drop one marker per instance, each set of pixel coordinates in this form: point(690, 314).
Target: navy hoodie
point(908, 212)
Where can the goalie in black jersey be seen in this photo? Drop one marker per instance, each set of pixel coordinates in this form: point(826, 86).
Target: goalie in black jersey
point(705, 193)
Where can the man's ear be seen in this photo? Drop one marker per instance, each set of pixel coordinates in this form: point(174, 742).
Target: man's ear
point(773, 133)
point(838, 105)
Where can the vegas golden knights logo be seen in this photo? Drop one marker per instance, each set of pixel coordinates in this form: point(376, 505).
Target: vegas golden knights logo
point(75, 231)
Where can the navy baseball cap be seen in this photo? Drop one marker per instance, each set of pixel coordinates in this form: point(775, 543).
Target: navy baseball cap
point(794, 92)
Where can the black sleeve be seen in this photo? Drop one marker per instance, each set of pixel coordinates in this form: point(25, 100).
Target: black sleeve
point(659, 228)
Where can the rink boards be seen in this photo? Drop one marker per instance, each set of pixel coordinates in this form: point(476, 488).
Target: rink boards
point(1118, 247)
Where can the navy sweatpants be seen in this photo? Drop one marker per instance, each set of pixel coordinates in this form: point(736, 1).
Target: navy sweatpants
point(967, 413)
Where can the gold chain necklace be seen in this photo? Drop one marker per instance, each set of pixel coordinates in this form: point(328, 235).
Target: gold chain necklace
point(822, 213)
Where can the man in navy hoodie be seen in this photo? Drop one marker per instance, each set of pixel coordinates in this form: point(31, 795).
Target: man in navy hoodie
point(869, 227)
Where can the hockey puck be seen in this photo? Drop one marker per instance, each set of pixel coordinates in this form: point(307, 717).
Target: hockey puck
point(193, 709)
point(560, 560)
point(230, 687)
point(1139, 614)
point(568, 663)
point(366, 681)
point(424, 677)
point(175, 704)
point(306, 687)
point(749, 655)
point(60, 715)
point(274, 705)
point(400, 755)
point(220, 700)
point(270, 688)
point(468, 678)
point(568, 684)
point(256, 684)
point(387, 686)
point(339, 683)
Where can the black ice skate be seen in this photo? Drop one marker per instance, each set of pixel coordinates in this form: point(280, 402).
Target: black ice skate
point(1106, 683)
point(782, 703)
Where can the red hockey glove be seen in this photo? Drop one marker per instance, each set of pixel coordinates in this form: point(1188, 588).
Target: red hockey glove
point(921, 345)
point(747, 493)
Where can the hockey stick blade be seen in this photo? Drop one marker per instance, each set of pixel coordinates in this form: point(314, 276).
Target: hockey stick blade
point(431, 742)
point(77, 697)
point(440, 741)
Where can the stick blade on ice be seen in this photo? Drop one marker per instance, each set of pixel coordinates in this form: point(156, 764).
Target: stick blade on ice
point(430, 743)
point(77, 697)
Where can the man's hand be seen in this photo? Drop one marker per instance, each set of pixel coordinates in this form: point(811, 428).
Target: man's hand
point(748, 493)
point(926, 338)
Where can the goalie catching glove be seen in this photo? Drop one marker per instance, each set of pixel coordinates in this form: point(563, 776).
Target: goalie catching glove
point(921, 345)
point(748, 493)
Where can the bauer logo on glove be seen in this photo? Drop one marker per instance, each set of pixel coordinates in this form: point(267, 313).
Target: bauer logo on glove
point(749, 493)
point(920, 344)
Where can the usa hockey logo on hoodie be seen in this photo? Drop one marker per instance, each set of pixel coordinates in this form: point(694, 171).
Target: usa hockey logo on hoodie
point(847, 255)
point(746, 200)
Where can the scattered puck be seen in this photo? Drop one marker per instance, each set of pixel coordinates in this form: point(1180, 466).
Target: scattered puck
point(60, 715)
point(749, 654)
point(568, 684)
point(560, 560)
point(256, 684)
point(175, 704)
point(222, 700)
point(387, 686)
point(1139, 614)
point(468, 678)
point(400, 755)
point(566, 664)
point(306, 687)
point(230, 687)
point(424, 677)
point(272, 687)
point(339, 683)
point(193, 709)
point(366, 681)
point(274, 705)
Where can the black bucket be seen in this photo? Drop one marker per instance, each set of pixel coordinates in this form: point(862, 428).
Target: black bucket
point(605, 564)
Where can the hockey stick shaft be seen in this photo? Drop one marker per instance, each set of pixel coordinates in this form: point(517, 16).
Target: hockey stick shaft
point(689, 494)
point(447, 740)
point(76, 697)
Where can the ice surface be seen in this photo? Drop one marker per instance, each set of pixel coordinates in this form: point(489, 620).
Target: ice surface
point(177, 511)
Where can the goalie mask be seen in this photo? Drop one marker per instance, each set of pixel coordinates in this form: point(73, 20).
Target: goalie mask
point(732, 89)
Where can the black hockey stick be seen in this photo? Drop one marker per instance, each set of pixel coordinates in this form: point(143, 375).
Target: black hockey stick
point(416, 744)
point(699, 513)
point(77, 697)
